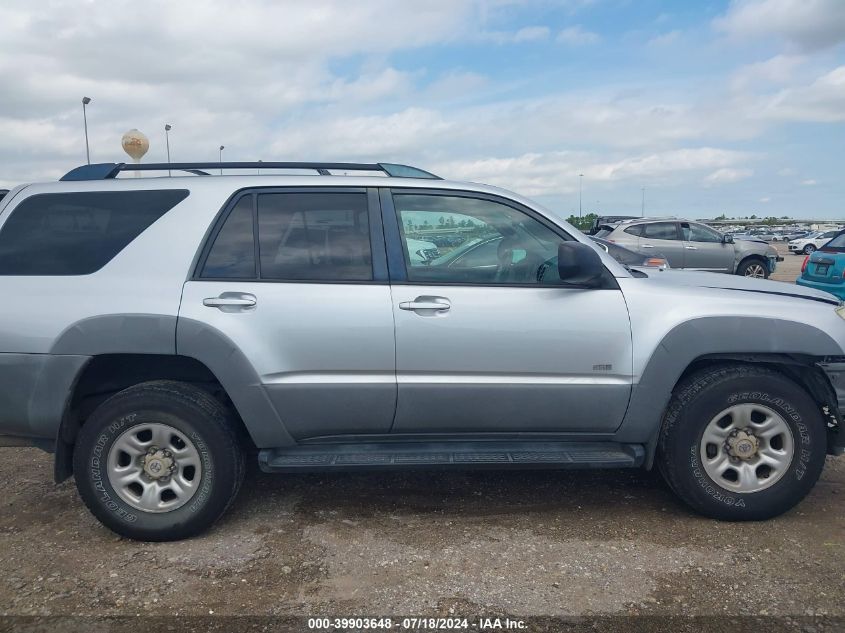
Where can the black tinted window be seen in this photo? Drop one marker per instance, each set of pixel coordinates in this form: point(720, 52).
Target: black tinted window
point(660, 231)
point(837, 242)
point(77, 233)
point(233, 253)
point(314, 236)
point(637, 230)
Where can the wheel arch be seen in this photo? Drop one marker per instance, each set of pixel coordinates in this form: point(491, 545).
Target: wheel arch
point(752, 257)
point(790, 347)
point(107, 374)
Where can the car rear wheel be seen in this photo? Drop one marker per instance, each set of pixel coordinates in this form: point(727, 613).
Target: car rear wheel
point(753, 268)
point(741, 442)
point(159, 461)
point(809, 249)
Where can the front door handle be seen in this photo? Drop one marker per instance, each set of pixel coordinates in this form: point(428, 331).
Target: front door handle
point(437, 304)
point(691, 248)
point(231, 301)
point(647, 246)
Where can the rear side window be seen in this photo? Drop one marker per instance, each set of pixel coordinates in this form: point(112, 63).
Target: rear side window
point(603, 231)
point(637, 230)
point(837, 243)
point(660, 231)
point(319, 236)
point(314, 236)
point(78, 233)
point(233, 253)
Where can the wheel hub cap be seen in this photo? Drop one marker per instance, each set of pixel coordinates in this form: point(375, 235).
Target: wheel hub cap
point(742, 444)
point(159, 463)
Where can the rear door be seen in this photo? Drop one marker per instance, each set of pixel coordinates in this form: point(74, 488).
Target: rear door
point(663, 239)
point(296, 279)
point(704, 249)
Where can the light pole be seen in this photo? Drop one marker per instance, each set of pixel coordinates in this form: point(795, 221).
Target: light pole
point(580, 179)
point(85, 102)
point(642, 207)
point(221, 159)
point(167, 128)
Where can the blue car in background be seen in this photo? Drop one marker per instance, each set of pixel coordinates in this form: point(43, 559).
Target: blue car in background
point(825, 268)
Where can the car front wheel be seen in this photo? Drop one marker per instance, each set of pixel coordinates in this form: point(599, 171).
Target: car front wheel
point(741, 442)
point(158, 461)
point(753, 268)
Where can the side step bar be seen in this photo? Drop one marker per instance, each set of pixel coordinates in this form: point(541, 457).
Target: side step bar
point(462, 455)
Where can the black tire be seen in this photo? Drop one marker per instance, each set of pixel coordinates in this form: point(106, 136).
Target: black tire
point(189, 410)
point(809, 249)
point(744, 265)
point(702, 396)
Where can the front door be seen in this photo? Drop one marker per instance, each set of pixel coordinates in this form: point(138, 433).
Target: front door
point(488, 341)
point(705, 250)
point(297, 280)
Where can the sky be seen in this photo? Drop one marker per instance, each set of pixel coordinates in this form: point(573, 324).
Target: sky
point(704, 107)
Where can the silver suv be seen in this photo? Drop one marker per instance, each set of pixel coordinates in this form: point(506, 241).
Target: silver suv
point(693, 245)
point(155, 331)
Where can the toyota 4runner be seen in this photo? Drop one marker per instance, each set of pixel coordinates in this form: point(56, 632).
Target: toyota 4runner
point(155, 331)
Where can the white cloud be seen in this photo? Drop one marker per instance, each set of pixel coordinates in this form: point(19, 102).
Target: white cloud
point(531, 34)
point(665, 39)
point(765, 199)
point(779, 69)
point(556, 172)
point(809, 182)
point(577, 36)
point(725, 175)
point(822, 101)
point(806, 24)
point(525, 34)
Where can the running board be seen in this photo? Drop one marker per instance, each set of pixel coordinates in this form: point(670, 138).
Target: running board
point(481, 454)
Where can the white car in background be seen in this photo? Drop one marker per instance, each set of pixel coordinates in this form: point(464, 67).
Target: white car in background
point(810, 243)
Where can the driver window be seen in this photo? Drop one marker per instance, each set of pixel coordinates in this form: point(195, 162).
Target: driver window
point(453, 239)
point(698, 233)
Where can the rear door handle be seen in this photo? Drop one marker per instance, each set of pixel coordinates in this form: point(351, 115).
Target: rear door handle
point(647, 246)
point(231, 300)
point(438, 304)
point(691, 248)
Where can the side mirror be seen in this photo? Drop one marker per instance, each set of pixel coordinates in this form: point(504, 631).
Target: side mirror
point(727, 239)
point(579, 265)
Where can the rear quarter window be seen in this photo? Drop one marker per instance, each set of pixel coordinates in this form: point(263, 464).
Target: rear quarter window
point(59, 234)
point(837, 243)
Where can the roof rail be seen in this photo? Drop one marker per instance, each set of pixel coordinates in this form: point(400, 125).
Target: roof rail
point(105, 171)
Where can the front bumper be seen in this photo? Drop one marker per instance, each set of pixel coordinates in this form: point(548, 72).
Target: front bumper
point(835, 373)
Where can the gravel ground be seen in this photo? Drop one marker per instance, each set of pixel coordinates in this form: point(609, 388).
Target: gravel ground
point(525, 543)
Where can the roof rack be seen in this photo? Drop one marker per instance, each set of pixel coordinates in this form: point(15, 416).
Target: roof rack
point(105, 171)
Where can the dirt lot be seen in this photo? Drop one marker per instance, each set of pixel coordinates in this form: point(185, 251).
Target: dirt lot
point(524, 543)
point(790, 268)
